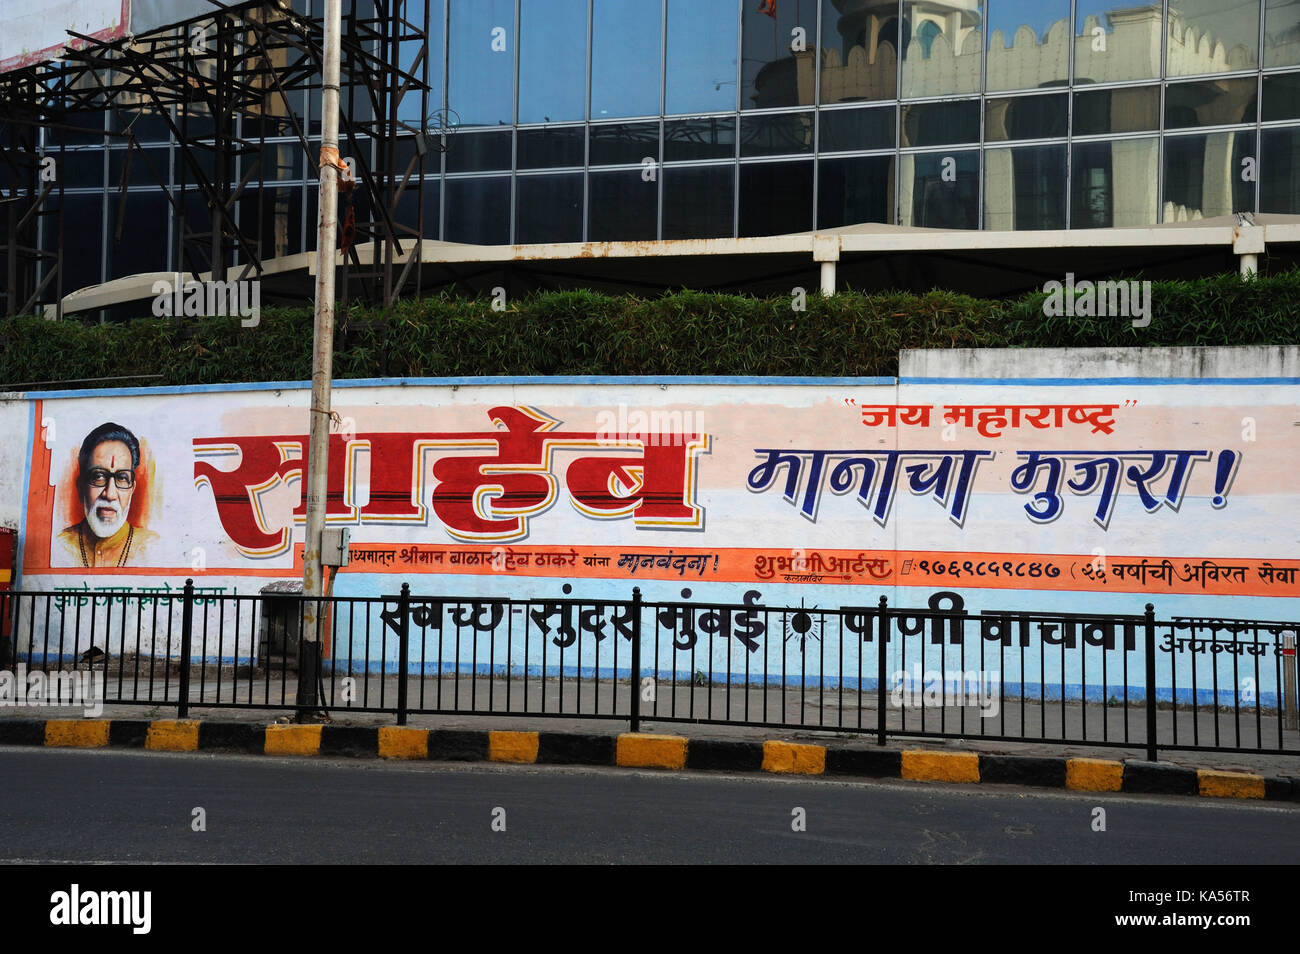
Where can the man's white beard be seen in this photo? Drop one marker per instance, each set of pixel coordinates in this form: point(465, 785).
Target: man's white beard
point(105, 528)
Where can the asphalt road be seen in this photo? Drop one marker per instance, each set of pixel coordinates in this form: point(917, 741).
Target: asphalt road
point(136, 807)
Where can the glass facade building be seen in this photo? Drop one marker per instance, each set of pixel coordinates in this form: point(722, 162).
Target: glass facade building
point(604, 120)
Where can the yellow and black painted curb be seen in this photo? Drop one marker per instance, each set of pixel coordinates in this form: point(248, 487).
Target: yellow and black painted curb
point(647, 750)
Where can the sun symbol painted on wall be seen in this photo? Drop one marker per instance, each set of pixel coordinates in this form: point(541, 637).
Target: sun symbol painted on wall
point(802, 625)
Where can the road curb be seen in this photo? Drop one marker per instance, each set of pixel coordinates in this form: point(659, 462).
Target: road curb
point(649, 750)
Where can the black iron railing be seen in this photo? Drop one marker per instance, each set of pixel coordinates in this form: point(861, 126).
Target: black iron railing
point(936, 671)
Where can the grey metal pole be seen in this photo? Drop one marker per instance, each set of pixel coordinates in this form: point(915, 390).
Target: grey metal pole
point(322, 364)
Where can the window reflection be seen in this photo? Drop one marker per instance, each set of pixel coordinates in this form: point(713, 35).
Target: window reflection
point(1210, 36)
point(1210, 103)
point(779, 68)
point(776, 135)
point(1279, 171)
point(776, 198)
point(1028, 43)
point(550, 148)
point(1025, 117)
point(1024, 188)
point(1203, 176)
point(1281, 33)
point(624, 207)
point(701, 56)
point(698, 202)
point(625, 33)
point(846, 129)
point(479, 152)
point(859, 47)
point(709, 138)
point(618, 143)
point(1128, 109)
point(552, 60)
point(1281, 97)
point(936, 124)
point(481, 56)
point(1116, 41)
point(430, 70)
point(939, 190)
point(478, 211)
point(1114, 184)
point(942, 47)
point(548, 209)
point(416, 203)
point(855, 190)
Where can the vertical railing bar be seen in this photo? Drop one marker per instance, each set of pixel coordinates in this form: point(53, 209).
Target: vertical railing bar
point(1150, 628)
point(635, 721)
point(881, 641)
point(187, 635)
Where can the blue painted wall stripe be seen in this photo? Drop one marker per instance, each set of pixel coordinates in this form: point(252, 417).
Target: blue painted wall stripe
point(1093, 382)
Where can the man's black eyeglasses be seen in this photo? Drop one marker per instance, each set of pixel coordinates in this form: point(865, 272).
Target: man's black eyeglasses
point(122, 479)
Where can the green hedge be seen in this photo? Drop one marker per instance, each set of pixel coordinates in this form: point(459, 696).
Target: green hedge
point(687, 332)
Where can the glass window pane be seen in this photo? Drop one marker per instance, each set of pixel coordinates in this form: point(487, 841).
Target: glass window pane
point(142, 246)
point(1281, 97)
point(83, 168)
point(1116, 41)
point(1024, 188)
point(1279, 171)
point(150, 125)
point(942, 51)
point(1203, 175)
point(1210, 103)
point(148, 166)
point(272, 218)
point(549, 148)
point(845, 129)
point(412, 203)
point(430, 71)
point(698, 202)
point(1025, 117)
point(549, 209)
point(711, 138)
point(478, 211)
point(940, 190)
point(937, 124)
point(859, 52)
point(625, 33)
point(552, 61)
point(776, 135)
point(776, 198)
point(1114, 184)
point(1029, 43)
point(854, 190)
point(624, 207)
point(1210, 36)
point(777, 73)
point(618, 143)
point(481, 67)
point(479, 152)
point(83, 239)
point(1281, 33)
point(1099, 112)
point(701, 56)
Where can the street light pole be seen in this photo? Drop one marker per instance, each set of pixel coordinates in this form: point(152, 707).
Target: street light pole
point(322, 366)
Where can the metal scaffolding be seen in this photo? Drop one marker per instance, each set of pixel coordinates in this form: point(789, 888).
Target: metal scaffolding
point(221, 84)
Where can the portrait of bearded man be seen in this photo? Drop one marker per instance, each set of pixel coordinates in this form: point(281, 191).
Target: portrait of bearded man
point(106, 482)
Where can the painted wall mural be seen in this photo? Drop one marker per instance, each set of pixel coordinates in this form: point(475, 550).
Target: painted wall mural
point(1016, 495)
